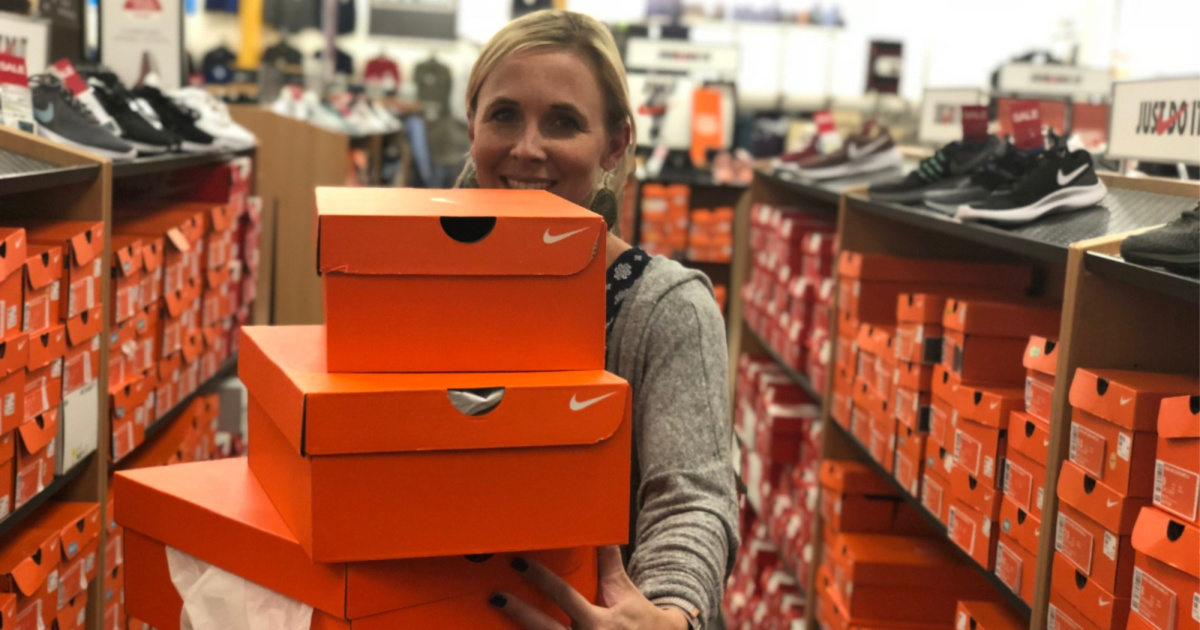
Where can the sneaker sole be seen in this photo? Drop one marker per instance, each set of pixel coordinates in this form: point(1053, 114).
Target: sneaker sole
point(1065, 200)
point(63, 140)
point(193, 147)
point(147, 149)
point(1189, 261)
point(877, 162)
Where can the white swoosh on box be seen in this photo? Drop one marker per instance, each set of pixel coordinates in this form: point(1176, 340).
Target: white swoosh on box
point(580, 405)
point(551, 239)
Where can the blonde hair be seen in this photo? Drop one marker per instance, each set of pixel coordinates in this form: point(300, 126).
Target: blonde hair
point(592, 41)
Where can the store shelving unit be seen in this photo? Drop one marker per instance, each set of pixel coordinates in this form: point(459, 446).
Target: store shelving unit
point(173, 414)
point(1115, 314)
point(18, 516)
point(800, 379)
point(173, 162)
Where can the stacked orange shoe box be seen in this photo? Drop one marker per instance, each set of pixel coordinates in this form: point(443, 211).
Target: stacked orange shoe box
point(46, 565)
point(1108, 480)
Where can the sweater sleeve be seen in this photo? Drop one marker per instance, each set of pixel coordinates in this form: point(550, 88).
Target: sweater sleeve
point(686, 533)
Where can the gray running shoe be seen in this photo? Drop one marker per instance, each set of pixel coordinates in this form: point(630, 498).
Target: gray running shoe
point(1175, 245)
point(65, 120)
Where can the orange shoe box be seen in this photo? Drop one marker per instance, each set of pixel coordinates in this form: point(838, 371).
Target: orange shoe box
point(986, 340)
point(77, 526)
point(1128, 399)
point(862, 420)
point(855, 499)
point(35, 450)
point(189, 507)
point(414, 280)
point(12, 279)
point(985, 404)
point(1123, 460)
point(83, 246)
point(885, 373)
point(81, 358)
point(1029, 436)
point(127, 270)
point(14, 358)
point(476, 451)
point(865, 368)
point(1093, 529)
point(910, 459)
point(876, 339)
point(1016, 567)
point(901, 578)
point(917, 377)
point(1041, 370)
point(73, 613)
point(1085, 595)
point(912, 409)
point(1017, 524)
point(8, 471)
point(181, 232)
point(882, 443)
point(153, 275)
point(897, 269)
point(918, 343)
point(8, 610)
point(935, 483)
point(43, 376)
point(843, 400)
point(1062, 616)
point(1177, 471)
point(979, 359)
point(973, 532)
point(987, 615)
point(942, 420)
point(1166, 574)
point(43, 278)
point(874, 300)
point(979, 451)
point(1024, 482)
point(30, 559)
point(979, 496)
point(128, 411)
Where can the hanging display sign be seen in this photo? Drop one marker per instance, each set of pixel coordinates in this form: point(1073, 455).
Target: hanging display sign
point(1039, 79)
point(884, 65)
point(941, 114)
point(27, 38)
point(710, 61)
point(427, 19)
point(1157, 121)
point(141, 36)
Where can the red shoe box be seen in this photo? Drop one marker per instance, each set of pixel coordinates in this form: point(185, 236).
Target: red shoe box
point(973, 532)
point(882, 441)
point(936, 494)
point(1166, 580)
point(986, 340)
point(1177, 471)
point(979, 451)
point(1025, 530)
point(43, 282)
point(1016, 567)
point(1041, 369)
point(942, 419)
point(1029, 436)
point(1062, 616)
point(984, 404)
point(1087, 596)
point(1094, 527)
point(1025, 482)
point(910, 459)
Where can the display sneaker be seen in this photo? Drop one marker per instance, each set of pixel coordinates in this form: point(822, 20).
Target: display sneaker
point(947, 169)
point(870, 151)
point(178, 119)
point(1061, 181)
point(63, 119)
point(1175, 245)
point(998, 174)
point(214, 119)
point(792, 160)
point(132, 126)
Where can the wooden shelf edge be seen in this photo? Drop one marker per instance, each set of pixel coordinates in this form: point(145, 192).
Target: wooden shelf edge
point(25, 511)
point(798, 378)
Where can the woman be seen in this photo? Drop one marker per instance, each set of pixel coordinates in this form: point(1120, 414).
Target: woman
point(548, 108)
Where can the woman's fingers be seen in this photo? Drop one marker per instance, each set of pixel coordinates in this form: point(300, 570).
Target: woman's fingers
point(577, 607)
point(524, 614)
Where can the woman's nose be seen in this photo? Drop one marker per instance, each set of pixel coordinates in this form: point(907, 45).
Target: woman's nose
point(529, 145)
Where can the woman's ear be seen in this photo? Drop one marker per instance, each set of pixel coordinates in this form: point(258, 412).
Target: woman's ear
point(471, 126)
point(618, 143)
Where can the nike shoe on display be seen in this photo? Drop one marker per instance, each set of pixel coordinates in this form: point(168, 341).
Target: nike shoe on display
point(177, 119)
point(63, 119)
point(132, 127)
point(951, 167)
point(1175, 245)
point(790, 160)
point(870, 151)
point(1061, 181)
point(999, 174)
point(214, 119)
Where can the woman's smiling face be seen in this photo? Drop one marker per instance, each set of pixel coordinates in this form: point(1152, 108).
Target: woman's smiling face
point(539, 123)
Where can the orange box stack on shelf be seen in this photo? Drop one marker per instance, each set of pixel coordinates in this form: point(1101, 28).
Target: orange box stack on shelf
point(710, 237)
point(987, 615)
point(664, 211)
point(46, 563)
point(1109, 480)
point(1166, 572)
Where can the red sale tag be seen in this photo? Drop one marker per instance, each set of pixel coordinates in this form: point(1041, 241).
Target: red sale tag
point(975, 123)
point(1027, 126)
point(70, 78)
point(1074, 542)
point(824, 121)
point(1153, 601)
point(1008, 567)
point(1087, 450)
point(1018, 485)
point(13, 71)
point(1176, 490)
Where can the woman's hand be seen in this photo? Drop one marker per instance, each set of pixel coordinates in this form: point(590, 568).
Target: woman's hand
point(622, 606)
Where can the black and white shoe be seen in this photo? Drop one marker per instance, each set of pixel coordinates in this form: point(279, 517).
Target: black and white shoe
point(63, 119)
point(1061, 181)
point(999, 174)
point(178, 120)
point(1175, 245)
point(950, 168)
point(134, 129)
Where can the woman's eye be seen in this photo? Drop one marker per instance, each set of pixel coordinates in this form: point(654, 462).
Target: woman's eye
point(566, 123)
point(504, 114)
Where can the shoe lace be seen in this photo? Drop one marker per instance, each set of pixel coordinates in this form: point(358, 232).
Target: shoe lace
point(934, 166)
point(52, 82)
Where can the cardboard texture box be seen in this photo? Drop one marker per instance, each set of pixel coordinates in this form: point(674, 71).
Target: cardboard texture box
point(1060, 615)
point(917, 377)
point(488, 448)
point(1041, 370)
point(1177, 469)
point(1017, 524)
point(399, 265)
point(1128, 399)
point(1029, 436)
point(901, 578)
point(1123, 460)
point(8, 609)
point(1093, 601)
point(83, 244)
point(127, 270)
point(12, 279)
point(979, 451)
point(1024, 482)
point(973, 532)
point(129, 412)
point(987, 615)
point(1166, 574)
point(218, 513)
point(35, 450)
point(8, 472)
point(77, 526)
point(1016, 567)
point(43, 276)
point(983, 359)
point(73, 614)
point(1093, 529)
point(855, 499)
point(14, 359)
point(910, 459)
point(861, 423)
point(985, 404)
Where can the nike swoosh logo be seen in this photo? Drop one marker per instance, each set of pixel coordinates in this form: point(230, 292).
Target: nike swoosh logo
point(551, 239)
point(1161, 126)
point(1126, 401)
point(995, 404)
point(854, 151)
point(580, 405)
point(1110, 503)
point(1064, 179)
point(1104, 603)
point(45, 115)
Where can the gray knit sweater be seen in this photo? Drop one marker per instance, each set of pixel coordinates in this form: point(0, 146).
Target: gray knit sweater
point(669, 342)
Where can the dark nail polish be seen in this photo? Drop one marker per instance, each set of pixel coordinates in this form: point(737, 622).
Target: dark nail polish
point(519, 565)
point(498, 600)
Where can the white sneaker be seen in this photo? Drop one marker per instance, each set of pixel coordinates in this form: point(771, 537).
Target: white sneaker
point(214, 119)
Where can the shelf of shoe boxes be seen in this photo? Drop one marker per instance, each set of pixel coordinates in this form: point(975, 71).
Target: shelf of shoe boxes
point(321, 500)
point(49, 554)
point(673, 225)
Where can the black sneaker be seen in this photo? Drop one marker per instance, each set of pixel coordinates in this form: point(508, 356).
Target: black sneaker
point(65, 120)
point(1061, 181)
point(999, 174)
point(948, 169)
point(177, 119)
point(1175, 245)
point(134, 129)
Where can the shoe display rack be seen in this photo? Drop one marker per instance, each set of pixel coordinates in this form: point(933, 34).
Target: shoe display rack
point(294, 157)
point(1114, 314)
point(42, 180)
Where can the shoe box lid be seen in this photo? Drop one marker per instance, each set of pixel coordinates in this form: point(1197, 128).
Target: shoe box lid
point(1000, 319)
point(920, 308)
point(979, 615)
point(283, 368)
point(1110, 509)
point(896, 269)
point(377, 231)
point(1179, 417)
point(851, 477)
point(985, 404)
point(890, 559)
point(43, 264)
point(13, 246)
point(1168, 540)
point(1126, 398)
point(877, 339)
point(912, 375)
point(1041, 355)
point(127, 254)
point(86, 238)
